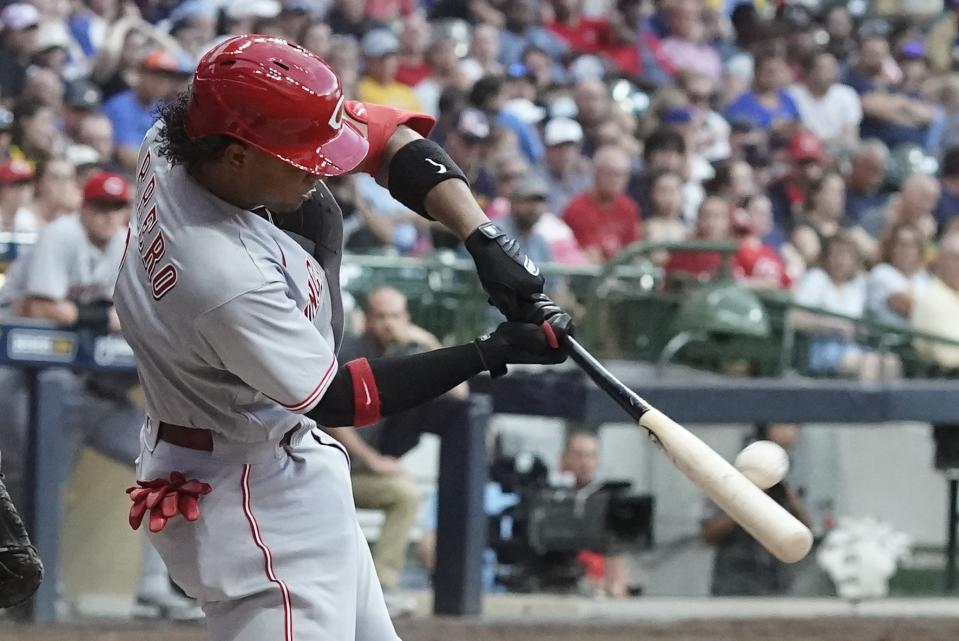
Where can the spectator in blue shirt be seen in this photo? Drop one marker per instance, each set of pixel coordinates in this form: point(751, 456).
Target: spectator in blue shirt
point(767, 106)
point(132, 112)
point(889, 114)
point(488, 95)
point(522, 30)
point(948, 206)
point(864, 181)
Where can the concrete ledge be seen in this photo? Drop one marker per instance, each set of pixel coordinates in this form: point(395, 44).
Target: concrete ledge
point(663, 609)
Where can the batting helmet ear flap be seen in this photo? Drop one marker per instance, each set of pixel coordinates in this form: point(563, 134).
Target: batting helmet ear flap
point(278, 97)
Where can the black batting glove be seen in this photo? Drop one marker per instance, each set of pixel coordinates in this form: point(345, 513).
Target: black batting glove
point(515, 343)
point(540, 310)
point(513, 281)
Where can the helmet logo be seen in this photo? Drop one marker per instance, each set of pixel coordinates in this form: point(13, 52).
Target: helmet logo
point(336, 119)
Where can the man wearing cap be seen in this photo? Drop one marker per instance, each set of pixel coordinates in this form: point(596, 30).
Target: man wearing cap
point(19, 22)
point(133, 111)
point(380, 50)
point(80, 98)
point(54, 47)
point(73, 263)
point(465, 144)
point(527, 206)
point(565, 169)
point(16, 192)
point(788, 195)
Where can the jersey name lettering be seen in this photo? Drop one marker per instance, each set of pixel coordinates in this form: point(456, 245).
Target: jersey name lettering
point(150, 241)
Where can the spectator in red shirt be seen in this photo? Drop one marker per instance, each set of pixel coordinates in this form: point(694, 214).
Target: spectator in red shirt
point(604, 219)
point(583, 34)
point(414, 37)
point(757, 264)
point(712, 223)
point(384, 12)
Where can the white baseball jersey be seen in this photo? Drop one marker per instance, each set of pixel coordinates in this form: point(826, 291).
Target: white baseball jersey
point(65, 265)
point(232, 322)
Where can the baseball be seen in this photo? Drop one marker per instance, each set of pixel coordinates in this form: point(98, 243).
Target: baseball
point(764, 463)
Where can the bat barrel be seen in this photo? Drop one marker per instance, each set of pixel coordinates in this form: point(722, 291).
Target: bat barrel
point(766, 520)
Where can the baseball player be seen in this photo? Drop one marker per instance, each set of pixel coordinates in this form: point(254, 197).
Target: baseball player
point(229, 295)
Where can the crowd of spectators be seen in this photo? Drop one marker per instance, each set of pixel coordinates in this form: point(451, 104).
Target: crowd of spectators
point(582, 125)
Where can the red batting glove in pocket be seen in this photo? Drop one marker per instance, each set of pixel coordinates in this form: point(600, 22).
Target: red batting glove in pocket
point(164, 499)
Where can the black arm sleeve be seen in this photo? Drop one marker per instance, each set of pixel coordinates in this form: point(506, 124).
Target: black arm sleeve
point(403, 382)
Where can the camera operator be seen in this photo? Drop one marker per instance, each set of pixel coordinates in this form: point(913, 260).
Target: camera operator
point(580, 459)
point(742, 566)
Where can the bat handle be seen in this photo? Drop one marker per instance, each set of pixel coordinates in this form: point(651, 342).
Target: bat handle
point(633, 403)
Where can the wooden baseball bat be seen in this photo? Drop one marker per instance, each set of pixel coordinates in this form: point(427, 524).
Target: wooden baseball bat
point(768, 522)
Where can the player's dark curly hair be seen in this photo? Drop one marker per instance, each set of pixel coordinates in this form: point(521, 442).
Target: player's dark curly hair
point(174, 143)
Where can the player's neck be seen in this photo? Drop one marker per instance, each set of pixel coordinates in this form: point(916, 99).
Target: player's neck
point(223, 185)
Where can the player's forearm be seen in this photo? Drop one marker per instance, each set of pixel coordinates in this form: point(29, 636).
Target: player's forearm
point(395, 384)
point(364, 391)
point(452, 203)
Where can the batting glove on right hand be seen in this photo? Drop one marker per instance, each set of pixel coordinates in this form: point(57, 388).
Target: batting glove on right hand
point(516, 343)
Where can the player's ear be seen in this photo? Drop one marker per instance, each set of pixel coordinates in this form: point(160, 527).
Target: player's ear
point(237, 154)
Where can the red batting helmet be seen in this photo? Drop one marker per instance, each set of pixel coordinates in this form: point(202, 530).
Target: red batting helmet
point(278, 97)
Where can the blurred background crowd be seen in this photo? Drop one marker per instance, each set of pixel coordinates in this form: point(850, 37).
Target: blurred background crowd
point(820, 136)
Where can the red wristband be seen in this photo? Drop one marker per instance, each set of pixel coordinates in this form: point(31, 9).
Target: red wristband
point(366, 395)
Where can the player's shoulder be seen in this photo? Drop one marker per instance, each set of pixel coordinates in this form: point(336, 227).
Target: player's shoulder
point(217, 264)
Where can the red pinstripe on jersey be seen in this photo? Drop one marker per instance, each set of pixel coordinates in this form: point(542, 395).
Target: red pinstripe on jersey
point(317, 391)
point(267, 557)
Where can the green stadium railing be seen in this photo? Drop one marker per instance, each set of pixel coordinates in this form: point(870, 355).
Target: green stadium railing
point(630, 309)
